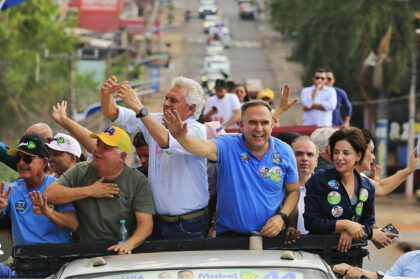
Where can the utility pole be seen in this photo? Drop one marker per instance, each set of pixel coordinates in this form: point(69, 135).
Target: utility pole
point(411, 118)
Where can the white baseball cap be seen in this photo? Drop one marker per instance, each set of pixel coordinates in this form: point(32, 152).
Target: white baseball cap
point(65, 143)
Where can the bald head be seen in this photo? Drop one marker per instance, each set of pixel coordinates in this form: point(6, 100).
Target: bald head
point(41, 128)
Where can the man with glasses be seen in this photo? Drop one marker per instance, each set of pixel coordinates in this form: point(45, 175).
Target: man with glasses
point(33, 220)
point(342, 101)
point(318, 101)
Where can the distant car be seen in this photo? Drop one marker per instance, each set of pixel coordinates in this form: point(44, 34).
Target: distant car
point(223, 34)
point(253, 86)
point(220, 62)
point(242, 264)
point(210, 21)
point(246, 11)
point(214, 49)
point(207, 9)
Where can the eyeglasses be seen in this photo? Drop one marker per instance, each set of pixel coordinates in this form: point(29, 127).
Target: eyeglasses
point(319, 77)
point(26, 158)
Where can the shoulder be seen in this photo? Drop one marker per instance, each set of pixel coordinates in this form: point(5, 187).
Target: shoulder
point(307, 89)
point(323, 175)
point(340, 91)
point(366, 182)
point(228, 139)
point(49, 179)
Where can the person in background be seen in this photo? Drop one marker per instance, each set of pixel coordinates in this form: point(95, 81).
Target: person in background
point(343, 102)
point(319, 101)
point(267, 95)
point(65, 152)
point(242, 93)
point(321, 137)
point(142, 150)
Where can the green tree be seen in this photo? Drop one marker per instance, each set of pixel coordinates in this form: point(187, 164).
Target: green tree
point(25, 31)
point(341, 35)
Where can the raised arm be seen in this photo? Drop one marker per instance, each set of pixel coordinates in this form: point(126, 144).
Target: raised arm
point(59, 194)
point(284, 103)
point(194, 145)
point(80, 132)
point(155, 128)
point(387, 185)
point(108, 104)
point(143, 230)
point(66, 220)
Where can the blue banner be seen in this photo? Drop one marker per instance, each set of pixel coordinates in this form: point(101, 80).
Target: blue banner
point(10, 3)
point(154, 77)
point(382, 144)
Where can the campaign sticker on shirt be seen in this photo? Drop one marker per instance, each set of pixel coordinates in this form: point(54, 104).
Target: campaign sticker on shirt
point(20, 205)
point(334, 198)
point(275, 173)
point(359, 208)
point(168, 153)
point(333, 184)
point(363, 195)
point(276, 158)
point(245, 157)
point(337, 211)
point(264, 172)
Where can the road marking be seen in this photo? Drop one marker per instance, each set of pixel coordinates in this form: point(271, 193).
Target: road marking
point(236, 44)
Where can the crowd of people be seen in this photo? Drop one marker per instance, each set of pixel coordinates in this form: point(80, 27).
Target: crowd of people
point(196, 180)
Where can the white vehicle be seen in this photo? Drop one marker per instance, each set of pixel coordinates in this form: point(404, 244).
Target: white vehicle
point(223, 33)
point(207, 9)
point(220, 62)
point(210, 21)
point(215, 48)
point(242, 264)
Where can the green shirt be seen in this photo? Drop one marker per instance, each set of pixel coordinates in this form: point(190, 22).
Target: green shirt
point(99, 218)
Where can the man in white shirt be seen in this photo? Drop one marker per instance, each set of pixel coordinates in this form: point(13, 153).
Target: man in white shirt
point(178, 179)
point(306, 153)
point(223, 107)
point(319, 101)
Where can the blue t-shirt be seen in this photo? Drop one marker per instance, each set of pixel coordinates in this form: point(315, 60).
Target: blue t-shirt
point(250, 191)
point(28, 227)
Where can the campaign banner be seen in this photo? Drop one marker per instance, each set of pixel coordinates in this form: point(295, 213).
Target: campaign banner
point(100, 6)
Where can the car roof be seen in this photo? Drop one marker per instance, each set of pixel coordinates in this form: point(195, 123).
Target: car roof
point(194, 259)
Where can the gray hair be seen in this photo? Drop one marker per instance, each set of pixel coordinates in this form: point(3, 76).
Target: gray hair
point(321, 137)
point(306, 138)
point(253, 103)
point(195, 94)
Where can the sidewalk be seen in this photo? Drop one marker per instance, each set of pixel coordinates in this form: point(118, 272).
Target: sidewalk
point(404, 215)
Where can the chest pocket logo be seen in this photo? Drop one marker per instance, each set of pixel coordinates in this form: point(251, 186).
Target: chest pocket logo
point(20, 205)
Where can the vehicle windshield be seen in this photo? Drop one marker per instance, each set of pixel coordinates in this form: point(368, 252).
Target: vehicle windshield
point(215, 273)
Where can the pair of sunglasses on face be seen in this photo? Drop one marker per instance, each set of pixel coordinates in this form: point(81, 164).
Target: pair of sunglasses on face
point(26, 158)
point(322, 78)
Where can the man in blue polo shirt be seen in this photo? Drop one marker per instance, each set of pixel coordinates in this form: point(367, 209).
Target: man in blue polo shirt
point(342, 102)
point(257, 185)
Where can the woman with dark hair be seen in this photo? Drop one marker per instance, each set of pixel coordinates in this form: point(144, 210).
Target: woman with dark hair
point(242, 93)
point(339, 200)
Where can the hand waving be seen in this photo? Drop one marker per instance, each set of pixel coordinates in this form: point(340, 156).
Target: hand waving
point(284, 103)
point(174, 123)
point(59, 112)
point(110, 86)
point(3, 195)
point(40, 205)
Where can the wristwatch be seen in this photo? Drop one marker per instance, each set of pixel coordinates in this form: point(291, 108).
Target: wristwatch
point(143, 112)
point(380, 274)
point(284, 217)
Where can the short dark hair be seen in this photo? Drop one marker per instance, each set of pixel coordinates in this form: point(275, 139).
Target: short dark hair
point(320, 70)
point(230, 86)
point(368, 136)
point(288, 136)
point(353, 135)
point(253, 103)
point(139, 140)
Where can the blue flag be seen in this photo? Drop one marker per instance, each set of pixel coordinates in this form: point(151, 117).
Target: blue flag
point(4, 4)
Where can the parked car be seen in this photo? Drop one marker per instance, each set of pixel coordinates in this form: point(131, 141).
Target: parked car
point(246, 11)
point(207, 9)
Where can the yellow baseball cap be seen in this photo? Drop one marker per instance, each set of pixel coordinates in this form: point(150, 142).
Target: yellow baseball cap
point(115, 137)
point(265, 93)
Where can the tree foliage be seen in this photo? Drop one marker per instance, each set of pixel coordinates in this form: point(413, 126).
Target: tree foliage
point(25, 31)
point(341, 34)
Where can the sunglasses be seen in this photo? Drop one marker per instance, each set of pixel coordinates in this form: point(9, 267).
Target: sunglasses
point(329, 78)
point(319, 77)
point(26, 158)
